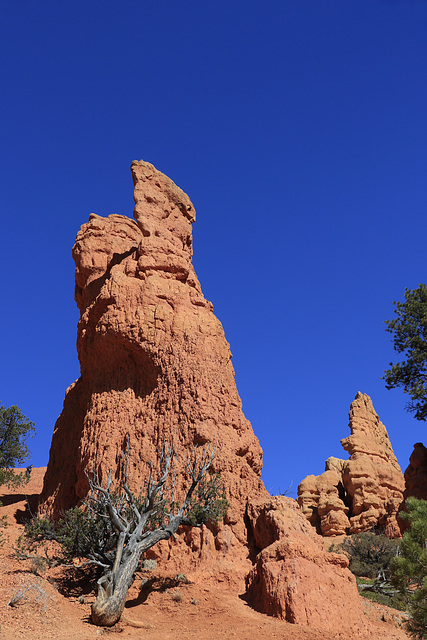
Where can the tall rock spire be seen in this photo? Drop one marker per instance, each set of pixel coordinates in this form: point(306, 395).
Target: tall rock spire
point(154, 360)
point(155, 366)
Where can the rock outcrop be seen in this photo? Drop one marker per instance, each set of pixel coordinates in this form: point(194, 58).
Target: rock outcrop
point(155, 366)
point(293, 577)
point(362, 492)
point(322, 500)
point(416, 473)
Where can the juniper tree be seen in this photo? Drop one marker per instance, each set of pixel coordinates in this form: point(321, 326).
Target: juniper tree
point(114, 527)
point(15, 429)
point(409, 329)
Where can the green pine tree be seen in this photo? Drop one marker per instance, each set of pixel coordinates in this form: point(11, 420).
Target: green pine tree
point(409, 568)
point(15, 429)
point(409, 329)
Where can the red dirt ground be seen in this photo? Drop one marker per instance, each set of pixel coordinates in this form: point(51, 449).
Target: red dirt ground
point(169, 612)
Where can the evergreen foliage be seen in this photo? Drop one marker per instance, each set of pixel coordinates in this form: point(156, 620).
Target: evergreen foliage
point(409, 568)
point(409, 329)
point(15, 429)
point(369, 554)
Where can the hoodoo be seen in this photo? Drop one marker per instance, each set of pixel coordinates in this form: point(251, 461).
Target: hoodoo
point(362, 492)
point(155, 366)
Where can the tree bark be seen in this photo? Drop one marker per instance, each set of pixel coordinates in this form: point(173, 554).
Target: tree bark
point(113, 587)
point(111, 599)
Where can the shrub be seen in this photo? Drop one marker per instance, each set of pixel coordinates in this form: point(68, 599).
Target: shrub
point(370, 554)
point(29, 592)
point(15, 429)
point(177, 596)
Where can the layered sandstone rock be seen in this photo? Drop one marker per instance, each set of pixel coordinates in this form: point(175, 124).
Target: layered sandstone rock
point(155, 366)
point(294, 578)
point(362, 492)
point(416, 473)
point(322, 501)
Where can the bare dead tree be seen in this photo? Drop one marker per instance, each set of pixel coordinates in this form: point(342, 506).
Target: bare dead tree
point(116, 527)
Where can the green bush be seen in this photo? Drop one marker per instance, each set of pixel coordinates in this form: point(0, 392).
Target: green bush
point(370, 554)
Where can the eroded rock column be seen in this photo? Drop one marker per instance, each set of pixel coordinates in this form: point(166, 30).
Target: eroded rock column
point(155, 364)
point(362, 492)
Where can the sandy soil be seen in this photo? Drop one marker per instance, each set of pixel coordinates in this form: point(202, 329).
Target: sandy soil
point(168, 611)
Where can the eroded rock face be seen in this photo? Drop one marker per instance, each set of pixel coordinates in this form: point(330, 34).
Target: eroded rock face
point(362, 492)
point(155, 365)
point(294, 578)
point(416, 473)
point(154, 360)
point(321, 501)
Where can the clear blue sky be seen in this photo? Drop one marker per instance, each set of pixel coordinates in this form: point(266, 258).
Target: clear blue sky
point(299, 131)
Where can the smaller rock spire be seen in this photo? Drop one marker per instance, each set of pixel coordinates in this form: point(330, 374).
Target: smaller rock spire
point(362, 492)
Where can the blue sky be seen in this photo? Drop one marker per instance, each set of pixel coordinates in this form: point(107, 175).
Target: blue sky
point(299, 131)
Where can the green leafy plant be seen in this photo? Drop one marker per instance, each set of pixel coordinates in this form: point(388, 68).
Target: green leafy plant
point(209, 503)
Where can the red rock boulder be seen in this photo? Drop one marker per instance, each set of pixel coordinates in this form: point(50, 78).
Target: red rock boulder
point(416, 473)
point(294, 578)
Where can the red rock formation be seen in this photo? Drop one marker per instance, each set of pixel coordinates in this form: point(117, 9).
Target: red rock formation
point(155, 365)
point(321, 502)
point(294, 578)
point(362, 492)
point(416, 473)
point(154, 360)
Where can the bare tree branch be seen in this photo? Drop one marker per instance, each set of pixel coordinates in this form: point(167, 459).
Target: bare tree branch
point(115, 527)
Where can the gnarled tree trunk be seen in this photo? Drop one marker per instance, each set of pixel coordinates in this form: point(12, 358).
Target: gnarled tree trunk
point(130, 520)
point(110, 601)
point(114, 585)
